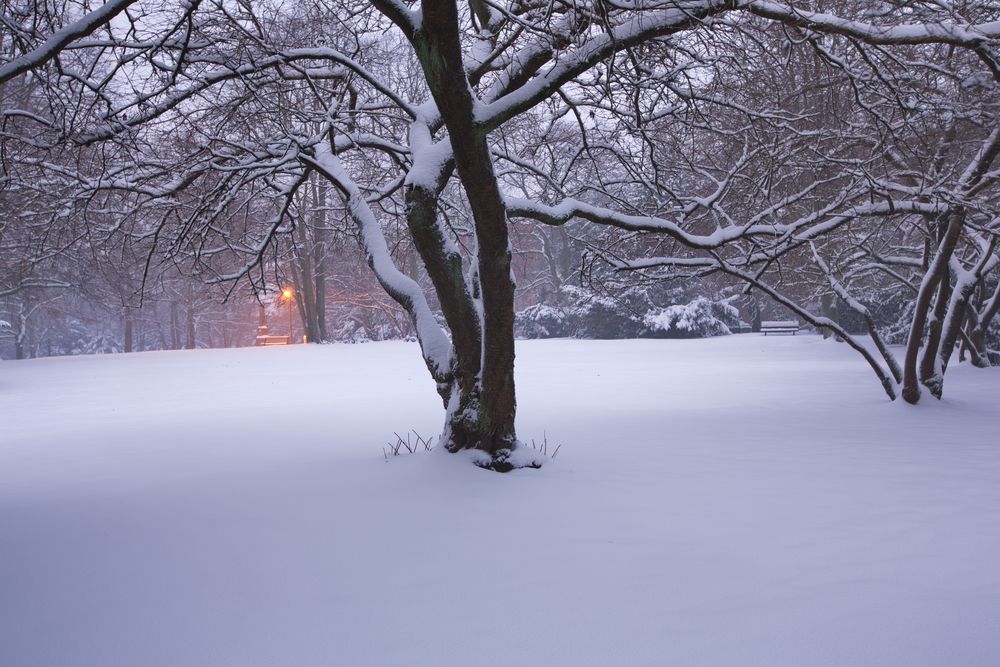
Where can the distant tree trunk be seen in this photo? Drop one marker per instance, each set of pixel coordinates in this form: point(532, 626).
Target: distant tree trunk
point(22, 342)
point(553, 260)
point(191, 342)
point(309, 267)
point(320, 234)
point(127, 344)
point(826, 307)
point(303, 301)
point(175, 326)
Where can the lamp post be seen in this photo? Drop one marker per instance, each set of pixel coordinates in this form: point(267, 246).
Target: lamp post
point(287, 295)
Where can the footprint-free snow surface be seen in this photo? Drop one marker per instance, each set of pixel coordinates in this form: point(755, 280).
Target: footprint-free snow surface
point(735, 501)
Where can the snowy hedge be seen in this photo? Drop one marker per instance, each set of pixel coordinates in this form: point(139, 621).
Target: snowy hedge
point(699, 319)
point(584, 314)
point(543, 321)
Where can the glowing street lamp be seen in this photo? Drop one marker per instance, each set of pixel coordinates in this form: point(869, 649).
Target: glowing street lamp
point(287, 295)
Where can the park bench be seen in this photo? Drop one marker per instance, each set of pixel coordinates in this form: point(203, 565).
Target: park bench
point(272, 340)
point(779, 326)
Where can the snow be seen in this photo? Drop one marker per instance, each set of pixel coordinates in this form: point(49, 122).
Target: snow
point(429, 158)
point(730, 501)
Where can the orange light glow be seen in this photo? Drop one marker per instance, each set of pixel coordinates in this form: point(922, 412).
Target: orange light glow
point(287, 293)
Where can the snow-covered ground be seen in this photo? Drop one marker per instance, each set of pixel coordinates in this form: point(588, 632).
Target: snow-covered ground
point(734, 501)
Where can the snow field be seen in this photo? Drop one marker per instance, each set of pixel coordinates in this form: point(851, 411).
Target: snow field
point(732, 501)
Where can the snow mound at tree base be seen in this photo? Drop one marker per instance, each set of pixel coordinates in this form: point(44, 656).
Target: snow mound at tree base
point(507, 460)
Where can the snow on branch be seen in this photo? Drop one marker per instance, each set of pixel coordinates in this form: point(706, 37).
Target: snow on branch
point(643, 27)
point(938, 32)
point(221, 75)
point(404, 290)
point(572, 208)
point(56, 42)
point(429, 158)
point(863, 311)
point(406, 19)
point(525, 81)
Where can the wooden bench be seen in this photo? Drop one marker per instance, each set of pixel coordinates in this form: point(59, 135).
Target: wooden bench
point(272, 340)
point(779, 326)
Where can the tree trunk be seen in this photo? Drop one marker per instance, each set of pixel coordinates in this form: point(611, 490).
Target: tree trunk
point(438, 46)
point(928, 360)
point(22, 332)
point(936, 272)
point(443, 263)
point(175, 326)
point(977, 336)
point(302, 279)
point(960, 311)
point(127, 345)
point(191, 342)
point(320, 234)
point(978, 353)
point(826, 307)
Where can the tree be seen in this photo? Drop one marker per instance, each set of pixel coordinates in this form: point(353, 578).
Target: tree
point(893, 179)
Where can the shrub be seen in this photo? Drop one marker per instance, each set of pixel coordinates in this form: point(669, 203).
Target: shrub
point(701, 318)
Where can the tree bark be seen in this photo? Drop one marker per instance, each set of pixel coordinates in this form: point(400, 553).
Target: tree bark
point(936, 272)
point(444, 266)
point(439, 49)
point(928, 363)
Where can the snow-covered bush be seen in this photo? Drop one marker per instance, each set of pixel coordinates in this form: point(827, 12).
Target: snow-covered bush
point(543, 321)
point(701, 318)
point(599, 316)
point(632, 314)
point(580, 314)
